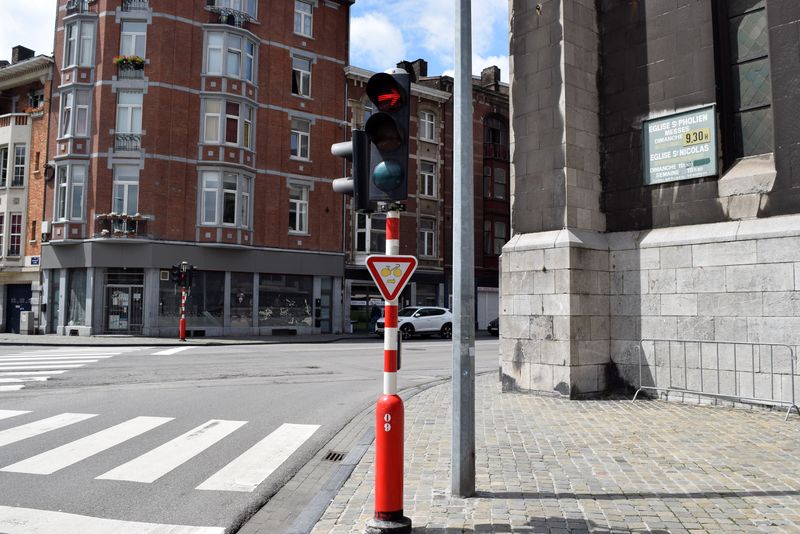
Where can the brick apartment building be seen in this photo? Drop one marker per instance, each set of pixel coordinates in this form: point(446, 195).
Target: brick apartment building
point(24, 103)
point(426, 226)
point(196, 131)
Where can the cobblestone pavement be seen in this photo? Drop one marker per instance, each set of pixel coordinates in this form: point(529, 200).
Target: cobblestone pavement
point(607, 466)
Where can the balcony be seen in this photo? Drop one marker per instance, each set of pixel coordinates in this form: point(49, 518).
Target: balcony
point(75, 7)
point(130, 67)
point(135, 5)
point(14, 119)
point(127, 142)
point(229, 15)
point(121, 225)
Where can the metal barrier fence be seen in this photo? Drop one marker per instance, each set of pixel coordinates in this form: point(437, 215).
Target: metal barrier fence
point(759, 365)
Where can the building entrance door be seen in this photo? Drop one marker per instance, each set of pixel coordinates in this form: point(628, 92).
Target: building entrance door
point(18, 300)
point(124, 309)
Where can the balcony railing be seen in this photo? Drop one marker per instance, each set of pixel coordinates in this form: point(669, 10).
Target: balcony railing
point(135, 5)
point(126, 142)
point(228, 15)
point(14, 119)
point(493, 151)
point(121, 225)
point(77, 6)
point(130, 73)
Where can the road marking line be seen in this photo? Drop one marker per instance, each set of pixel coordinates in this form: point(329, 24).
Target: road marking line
point(60, 354)
point(53, 460)
point(23, 379)
point(250, 469)
point(12, 388)
point(43, 362)
point(18, 433)
point(153, 465)
point(31, 373)
point(15, 520)
point(5, 414)
point(169, 352)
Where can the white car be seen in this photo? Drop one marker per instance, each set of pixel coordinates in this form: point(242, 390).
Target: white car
point(422, 320)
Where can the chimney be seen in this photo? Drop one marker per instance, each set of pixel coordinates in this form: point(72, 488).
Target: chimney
point(417, 68)
point(4, 63)
point(490, 77)
point(20, 53)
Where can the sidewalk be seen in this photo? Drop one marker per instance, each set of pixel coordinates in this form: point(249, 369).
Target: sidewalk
point(554, 466)
point(111, 340)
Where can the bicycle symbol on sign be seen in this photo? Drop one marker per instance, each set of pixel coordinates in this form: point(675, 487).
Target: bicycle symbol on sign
point(396, 271)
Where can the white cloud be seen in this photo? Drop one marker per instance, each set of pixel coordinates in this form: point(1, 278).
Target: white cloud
point(30, 23)
point(375, 29)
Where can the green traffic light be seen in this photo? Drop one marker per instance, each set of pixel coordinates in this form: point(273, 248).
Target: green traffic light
point(388, 175)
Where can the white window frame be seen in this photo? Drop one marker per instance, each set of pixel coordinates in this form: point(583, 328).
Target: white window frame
point(298, 208)
point(125, 189)
point(368, 231)
point(11, 234)
point(427, 179)
point(130, 40)
point(300, 139)
point(215, 123)
point(65, 117)
point(2, 233)
point(427, 237)
point(242, 198)
point(79, 37)
point(70, 192)
point(245, 54)
point(127, 111)
point(3, 165)
point(301, 78)
point(74, 115)
point(227, 178)
point(18, 172)
point(427, 126)
point(304, 20)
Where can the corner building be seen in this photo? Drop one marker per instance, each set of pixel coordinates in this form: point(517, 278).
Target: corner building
point(196, 131)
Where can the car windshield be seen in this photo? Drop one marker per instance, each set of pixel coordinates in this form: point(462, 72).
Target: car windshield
point(406, 312)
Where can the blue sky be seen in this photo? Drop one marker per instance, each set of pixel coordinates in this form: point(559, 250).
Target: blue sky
point(405, 29)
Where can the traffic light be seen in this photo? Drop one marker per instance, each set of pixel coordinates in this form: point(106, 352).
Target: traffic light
point(185, 272)
point(175, 274)
point(357, 152)
point(387, 131)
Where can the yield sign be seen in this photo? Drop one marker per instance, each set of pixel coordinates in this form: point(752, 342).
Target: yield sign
point(391, 273)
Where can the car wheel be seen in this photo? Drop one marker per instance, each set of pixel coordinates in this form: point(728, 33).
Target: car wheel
point(407, 331)
point(447, 331)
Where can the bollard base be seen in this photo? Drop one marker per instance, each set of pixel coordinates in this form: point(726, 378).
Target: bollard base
point(397, 526)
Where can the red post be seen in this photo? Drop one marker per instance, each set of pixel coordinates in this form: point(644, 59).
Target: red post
point(182, 333)
point(389, 423)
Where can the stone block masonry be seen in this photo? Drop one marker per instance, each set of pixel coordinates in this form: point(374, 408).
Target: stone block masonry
point(702, 306)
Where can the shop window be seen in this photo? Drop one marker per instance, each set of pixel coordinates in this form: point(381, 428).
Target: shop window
point(285, 300)
point(241, 299)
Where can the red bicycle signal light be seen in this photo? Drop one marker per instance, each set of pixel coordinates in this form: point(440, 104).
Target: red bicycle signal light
point(385, 92)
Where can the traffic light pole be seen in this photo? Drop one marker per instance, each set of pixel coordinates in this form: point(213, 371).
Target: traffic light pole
point(389, 418)
point(182, 329)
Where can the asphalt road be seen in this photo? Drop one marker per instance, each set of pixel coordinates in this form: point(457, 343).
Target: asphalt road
point(194, 436)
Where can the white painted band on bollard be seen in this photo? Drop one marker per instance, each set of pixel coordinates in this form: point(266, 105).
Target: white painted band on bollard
point(389, 383)
point(390, 339)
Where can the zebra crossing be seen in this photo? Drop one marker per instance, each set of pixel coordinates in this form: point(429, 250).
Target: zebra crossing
point(21, 368)
point(242, 474)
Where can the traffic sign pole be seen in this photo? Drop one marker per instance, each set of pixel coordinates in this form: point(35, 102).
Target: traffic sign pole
point(182, 329)
point(389, 416)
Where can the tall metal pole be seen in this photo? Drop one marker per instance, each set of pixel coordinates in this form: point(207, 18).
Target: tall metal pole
point(463, 442)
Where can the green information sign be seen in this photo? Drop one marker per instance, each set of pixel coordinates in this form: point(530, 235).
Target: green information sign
point(682, 146)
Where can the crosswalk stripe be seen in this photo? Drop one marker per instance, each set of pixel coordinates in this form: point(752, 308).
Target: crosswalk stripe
point(55, 459)
point(30, 373)
point(52, 358)
point(5, 414)
point(15, 520)
point(160, 461)
point(23, 379)
point(169, 352)
point(44, 362)
point(43, 366)
point(18, 433)
point(12, 388)
point(61, 354)
point(250, 469)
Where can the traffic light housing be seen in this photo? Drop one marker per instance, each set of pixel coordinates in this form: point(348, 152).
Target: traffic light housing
point(387, 131)
point(175, 274)
point(357, 185)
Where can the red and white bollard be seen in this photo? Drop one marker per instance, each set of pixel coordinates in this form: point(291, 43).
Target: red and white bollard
point(389, 432)
point(182, 329)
